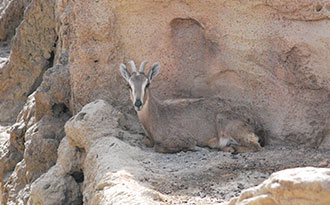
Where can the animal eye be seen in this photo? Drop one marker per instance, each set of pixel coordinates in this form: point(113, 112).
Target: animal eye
point(147, 85)
point(129, 87)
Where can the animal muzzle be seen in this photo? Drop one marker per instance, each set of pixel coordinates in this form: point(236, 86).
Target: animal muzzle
point(138, 105)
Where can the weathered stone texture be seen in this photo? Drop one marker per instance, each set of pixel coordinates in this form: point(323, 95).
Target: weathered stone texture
point(35, 136)
point(58, 186)
point(88, 125)
point(30, 56)
point(92, 139)
point(11, 15)
point(292, 186)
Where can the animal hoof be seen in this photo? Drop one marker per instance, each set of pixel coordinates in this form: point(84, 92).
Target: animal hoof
point(195, 149)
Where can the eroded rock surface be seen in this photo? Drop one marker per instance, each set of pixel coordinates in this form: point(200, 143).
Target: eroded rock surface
point(93, 135)
point(31, 54)
point(292, 186)
point(35, 137)
point(11, 15)
point(58, 185)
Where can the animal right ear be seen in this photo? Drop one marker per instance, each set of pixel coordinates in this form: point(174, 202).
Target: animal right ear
point(124, 72)
point(154, 70)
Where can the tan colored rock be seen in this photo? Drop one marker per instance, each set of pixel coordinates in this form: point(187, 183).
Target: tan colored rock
point(307, 185)
point(33, 142)
point(11, 15)
point(110, 167)
point(118, 169)
point(39, 126)
point(41, 142)
point(116, 181)
point(58, 186)
point(109, 164)
point(12, 153)
point(88, 124)
point(53, 95)
point(270, 58)
point(30, 56)
point(55, 190)
point(303, 10)
point(5, 163)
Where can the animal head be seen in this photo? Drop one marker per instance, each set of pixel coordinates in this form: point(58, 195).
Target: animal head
point(139, 82)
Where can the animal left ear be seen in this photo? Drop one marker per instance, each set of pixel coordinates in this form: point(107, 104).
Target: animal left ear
point(154, 70)
point(124, 72)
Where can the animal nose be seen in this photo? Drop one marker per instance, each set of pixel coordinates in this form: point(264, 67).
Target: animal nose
point(138, 103)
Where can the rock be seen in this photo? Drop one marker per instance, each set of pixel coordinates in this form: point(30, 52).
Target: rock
point(88, 124)
point(41, 142)
point(307, 185)
point(4, 53)
point(58, 186)
point(114, 181)
point(33, 142)
point(11, 15)
point(325, 141)
point(5, 161)
point(12, 153)
point(30, 56)
point(104, 181)
point(53, 95)
point(305, 10)
point(64, 191)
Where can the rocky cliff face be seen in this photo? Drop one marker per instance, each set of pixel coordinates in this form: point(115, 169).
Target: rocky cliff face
point(270, 58)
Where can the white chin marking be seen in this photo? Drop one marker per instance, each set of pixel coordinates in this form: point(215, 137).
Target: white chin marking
point(138, 108)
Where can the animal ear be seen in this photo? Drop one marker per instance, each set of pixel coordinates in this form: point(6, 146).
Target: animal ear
point(124, 72)
point(154, 70)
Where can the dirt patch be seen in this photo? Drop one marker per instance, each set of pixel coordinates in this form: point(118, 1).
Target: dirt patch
point(210, 176)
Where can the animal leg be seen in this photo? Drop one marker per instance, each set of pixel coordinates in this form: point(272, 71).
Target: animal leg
point(148, 142)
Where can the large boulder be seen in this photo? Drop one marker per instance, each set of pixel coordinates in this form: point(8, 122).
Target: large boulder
point(88, 124)
point(307, 185)
point(59, 185)
point(95, 130)
point(94, 163)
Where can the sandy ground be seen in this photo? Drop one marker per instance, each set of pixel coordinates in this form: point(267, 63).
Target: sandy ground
point(212, 177)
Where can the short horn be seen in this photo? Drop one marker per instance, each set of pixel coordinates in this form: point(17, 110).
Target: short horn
point(142, 66)
point(133, 66)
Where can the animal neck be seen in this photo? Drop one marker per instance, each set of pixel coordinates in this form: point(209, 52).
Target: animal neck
point(150, 111)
